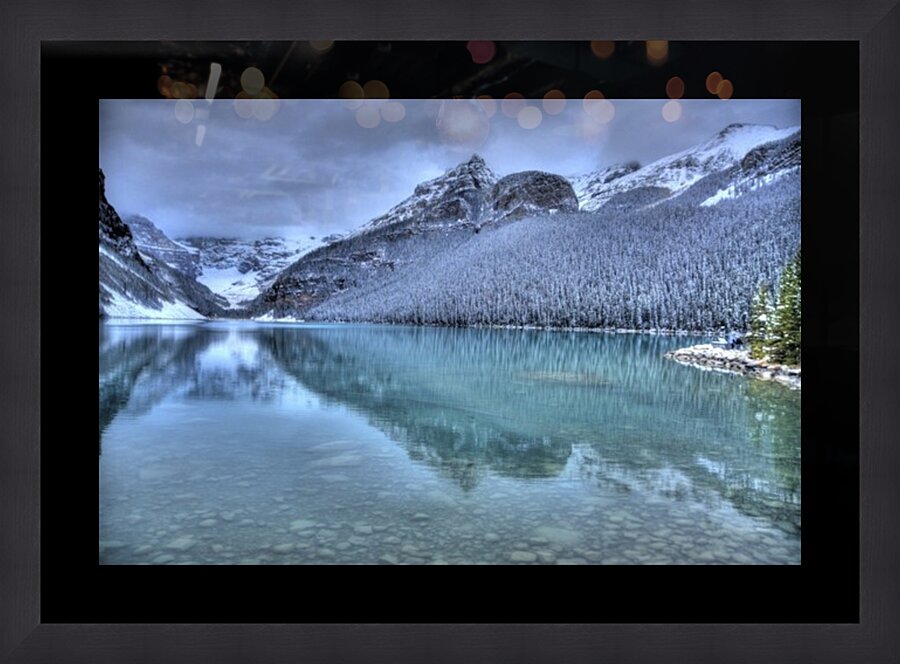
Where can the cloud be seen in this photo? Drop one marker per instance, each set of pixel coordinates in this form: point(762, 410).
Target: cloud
point(312, 169)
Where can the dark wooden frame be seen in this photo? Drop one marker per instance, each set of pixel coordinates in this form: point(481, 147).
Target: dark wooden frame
point(874, 23)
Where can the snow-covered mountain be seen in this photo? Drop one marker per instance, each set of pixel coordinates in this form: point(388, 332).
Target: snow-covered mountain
point(234, 269)
point(461, 202)
point(137, 285)
point(761, 166)
point(239, 269)
point(681, 243)
point(152, 241)
point(673, 174)
point(456, 196)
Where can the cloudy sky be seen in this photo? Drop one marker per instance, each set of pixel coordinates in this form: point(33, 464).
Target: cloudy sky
point(296, 168)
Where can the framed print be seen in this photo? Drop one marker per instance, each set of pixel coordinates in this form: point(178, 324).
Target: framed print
point(406, 213)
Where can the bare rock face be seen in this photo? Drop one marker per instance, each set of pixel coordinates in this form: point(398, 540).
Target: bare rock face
point(114, 233)
point(529, 193)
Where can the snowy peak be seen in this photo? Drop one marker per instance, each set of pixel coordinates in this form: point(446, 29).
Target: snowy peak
point(457, 195)
point(151, 241)
point(239, 269)
point(678, 171)
point(762, 165)
point(589, 185)
point(733, 143)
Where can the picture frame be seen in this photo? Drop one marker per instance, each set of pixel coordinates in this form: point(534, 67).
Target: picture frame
point(25, 638)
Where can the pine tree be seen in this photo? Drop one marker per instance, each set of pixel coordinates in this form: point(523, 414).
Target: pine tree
point(759, 316)
point(786, 328)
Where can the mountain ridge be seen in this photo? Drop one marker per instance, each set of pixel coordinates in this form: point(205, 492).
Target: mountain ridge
point(418, 269)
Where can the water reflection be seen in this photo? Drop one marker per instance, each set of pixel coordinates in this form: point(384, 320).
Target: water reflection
point(604, 413)
point(516, 402)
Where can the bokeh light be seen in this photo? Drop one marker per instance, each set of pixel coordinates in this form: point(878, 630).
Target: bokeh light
point(243, 105)
point(462, 124)
point(530, 117)
point(675, 88)
point(184, 111)
point(164, 85)
point(482, 52)
point(182, 90)
point(554, 102)
point(368, 116)
point(603, 49)
point(725, 89)
point(488, 105)
point(266, 105)
point(586, 129)
point(598, 108)
point(393, 111)
point(376, 90)
point(671, 111)
point(253, 81)
point(512, 104)
point(712, 82)
point(352, 94)
point(321, 46)
point(657, 51)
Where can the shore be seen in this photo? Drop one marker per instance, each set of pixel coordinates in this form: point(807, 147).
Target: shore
point(707, 356)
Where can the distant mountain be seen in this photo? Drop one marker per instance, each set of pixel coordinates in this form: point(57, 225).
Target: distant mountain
point(681, 243)
point(237, 269)
point(134, 284)
point(151, 241)
point(675, 173)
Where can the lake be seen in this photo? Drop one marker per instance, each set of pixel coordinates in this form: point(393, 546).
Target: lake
point(244, 443)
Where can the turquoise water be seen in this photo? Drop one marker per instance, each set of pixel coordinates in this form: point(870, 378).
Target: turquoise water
point(242, 443)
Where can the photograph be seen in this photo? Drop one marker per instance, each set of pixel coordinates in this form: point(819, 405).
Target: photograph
point(506, 285)
point(449, 331)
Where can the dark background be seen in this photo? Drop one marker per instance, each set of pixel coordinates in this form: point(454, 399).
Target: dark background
point(825, 588)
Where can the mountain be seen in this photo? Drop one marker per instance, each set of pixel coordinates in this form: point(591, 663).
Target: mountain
point(235, 270)
point(456, 196)
point(239, 270)
point(531, 192)
point(675, 173)
point(761, 166)
point(133, 284)
point(681, 243)
point(151, 241)
point(439, 214)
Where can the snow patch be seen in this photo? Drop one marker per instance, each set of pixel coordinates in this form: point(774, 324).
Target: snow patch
point(745, 186)
point(121, 307)
point(230, 284)
point(269, 317)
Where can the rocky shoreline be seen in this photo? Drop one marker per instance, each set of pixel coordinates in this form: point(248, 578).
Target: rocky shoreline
point(707, 356)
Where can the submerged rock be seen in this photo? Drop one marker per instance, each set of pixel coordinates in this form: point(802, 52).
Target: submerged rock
point(557, 535)
point(182, 543)
point(522, 557)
